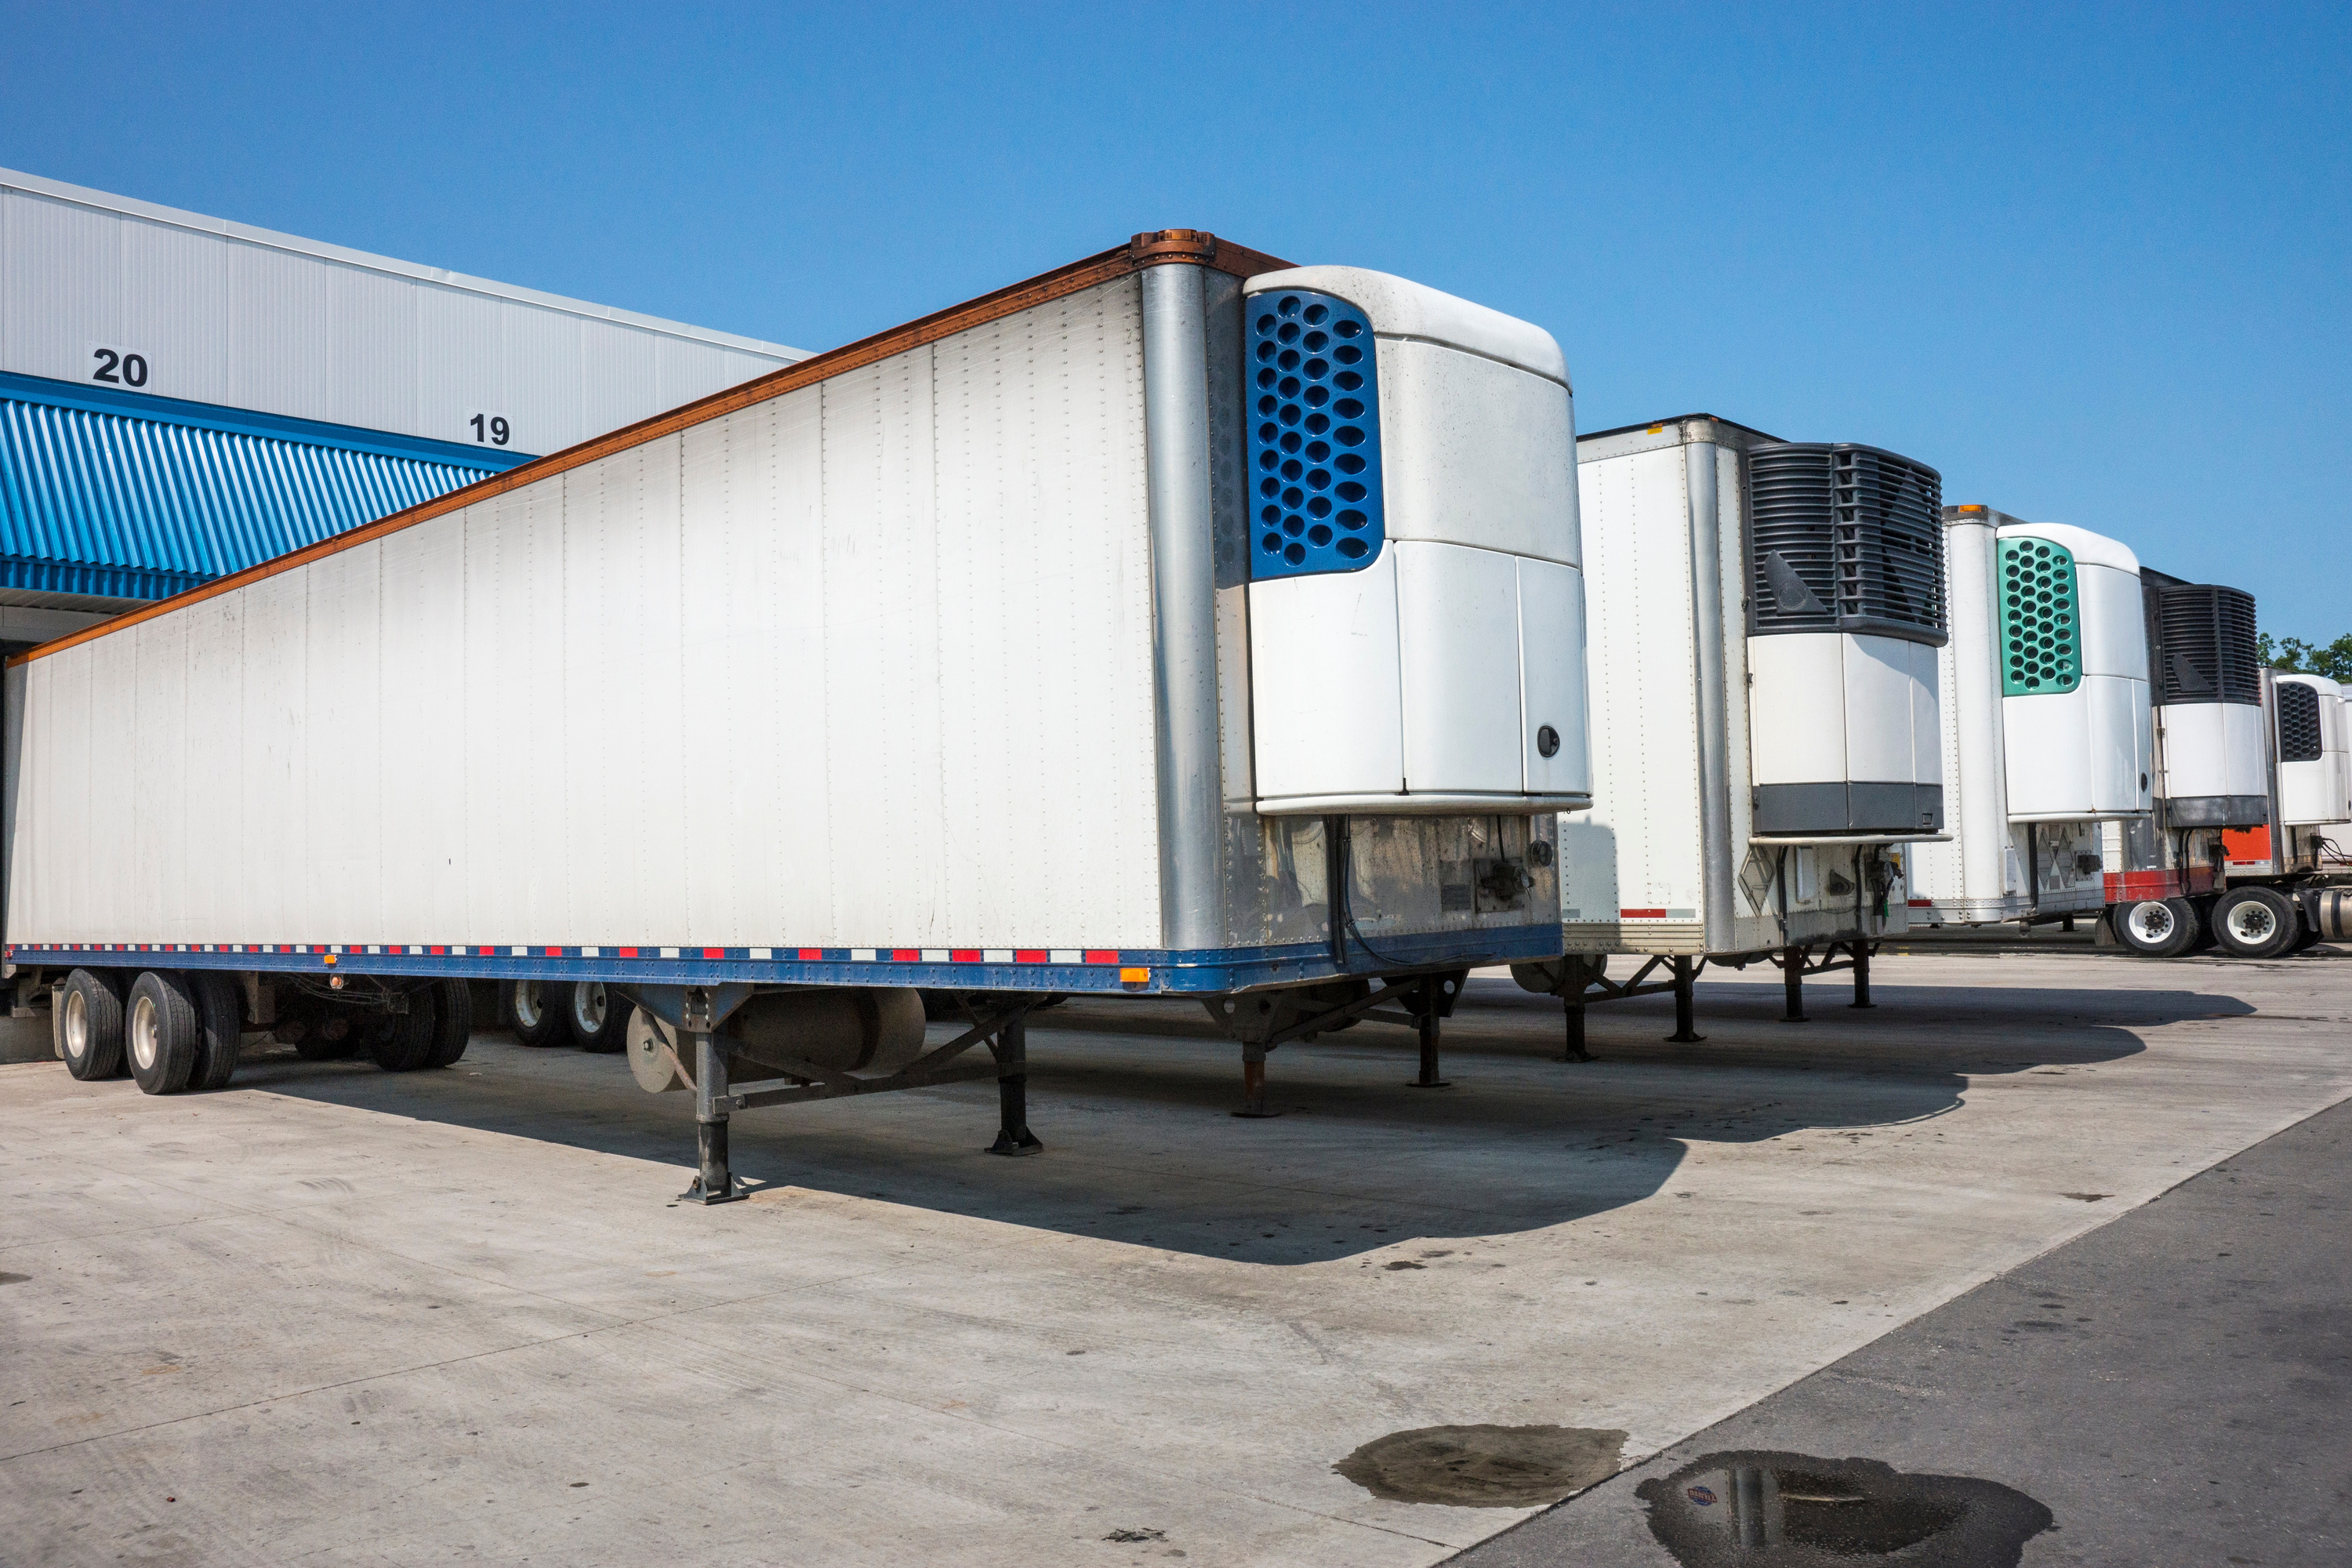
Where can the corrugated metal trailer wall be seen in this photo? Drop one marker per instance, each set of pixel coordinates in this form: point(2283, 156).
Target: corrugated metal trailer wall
point(711, 609)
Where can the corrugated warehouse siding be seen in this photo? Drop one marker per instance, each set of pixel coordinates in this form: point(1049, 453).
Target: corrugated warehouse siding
point(222, 313)
point(97, 502)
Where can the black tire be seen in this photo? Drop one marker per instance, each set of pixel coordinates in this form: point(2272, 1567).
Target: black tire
point(407, 1045)
point(159, 1032)
point(220, 1023)
point(598, 1018)
point(2156, 928)
point(453, 1022)
point(528, 1008)
point(90, 1024)
point(2256, 922)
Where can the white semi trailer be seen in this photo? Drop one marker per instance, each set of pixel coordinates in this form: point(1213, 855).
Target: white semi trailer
point(1764, 709)
point(1176, 623)
point(2047, 733)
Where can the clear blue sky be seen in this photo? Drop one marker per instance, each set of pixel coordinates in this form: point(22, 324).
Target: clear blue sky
point(2090, 262)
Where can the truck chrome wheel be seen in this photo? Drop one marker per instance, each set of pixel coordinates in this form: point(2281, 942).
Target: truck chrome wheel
point(2151, 920)
point(143, 1035)
point(77, 1028)
point(589, 1007)
point(2249, 923)
point(530, 1003)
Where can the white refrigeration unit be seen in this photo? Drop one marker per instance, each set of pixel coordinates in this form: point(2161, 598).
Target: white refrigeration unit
point(2047, 733)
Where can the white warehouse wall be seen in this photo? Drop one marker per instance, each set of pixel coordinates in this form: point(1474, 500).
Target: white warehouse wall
point(244, 318)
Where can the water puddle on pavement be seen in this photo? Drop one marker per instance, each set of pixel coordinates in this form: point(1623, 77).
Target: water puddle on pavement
point(1484, 1467)
point(1760, 1510)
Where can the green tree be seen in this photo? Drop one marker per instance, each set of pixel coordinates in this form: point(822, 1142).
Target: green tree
point(2332, 660)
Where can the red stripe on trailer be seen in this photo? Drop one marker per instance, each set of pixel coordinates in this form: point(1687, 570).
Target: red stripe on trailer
point(1102, 955)
point(1641, 914)
point(964, 956)
point(438, 951)
point(811, 954)
point(906, 955)
point(2131, 886)
point(1923, 903)
point(628, 952)
point(1029, 955)
point(714, 953)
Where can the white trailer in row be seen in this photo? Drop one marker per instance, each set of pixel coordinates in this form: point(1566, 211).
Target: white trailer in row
point(1177, 623)
point(1764, 710)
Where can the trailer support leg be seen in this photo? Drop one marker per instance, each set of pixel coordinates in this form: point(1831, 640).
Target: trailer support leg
point(1574, 1007)
point(715, 1184)
point(1862, 976)
point(1424, 1009)
point(1793, 980)
point(1012, 1134)
point(1253, 1104)
point(1686, 1005)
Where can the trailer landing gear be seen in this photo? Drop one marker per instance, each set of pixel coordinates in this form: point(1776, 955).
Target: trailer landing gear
point(1861, 951)
point(715, 1182)
point(1686, 1004)
point(1254, 1106)
point(1426, 1001)
point(1011, 1048)
point(1793, 982)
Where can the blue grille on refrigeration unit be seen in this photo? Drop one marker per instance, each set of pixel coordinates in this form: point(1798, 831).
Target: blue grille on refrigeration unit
point(1315, 435)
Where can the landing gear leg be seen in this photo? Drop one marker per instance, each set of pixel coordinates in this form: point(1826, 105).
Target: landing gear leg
point(1862, 976)
point(1424, 1007)
point(1011, 1049)
point(1253, 1104)
point(1792, 979)
point(1574, 1007)
point(715, 1183)
point(1686, 1005)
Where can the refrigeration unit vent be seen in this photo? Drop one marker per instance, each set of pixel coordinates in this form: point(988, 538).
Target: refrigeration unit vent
point(2040, 649)
point(1315, 435)
point(2298, 724)
point(1846, 539)
point(2204, 645)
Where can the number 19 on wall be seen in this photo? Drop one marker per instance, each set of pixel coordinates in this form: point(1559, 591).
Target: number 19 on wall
point(491, 429)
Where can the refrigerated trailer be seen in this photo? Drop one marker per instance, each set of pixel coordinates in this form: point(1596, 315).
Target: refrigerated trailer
point(2244, 845)
point(1766, 617)
point(1178, 623)
point(2047, 731)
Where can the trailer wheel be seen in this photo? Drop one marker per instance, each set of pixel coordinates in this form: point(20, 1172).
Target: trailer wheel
point(453, 1022)
point(599, 1019)
point(220, 1023)
point(532, 1013)
point(407, 1045)
point(90, 1026)
point(2155, 928)
point(2256, 922)
point(159, 1030)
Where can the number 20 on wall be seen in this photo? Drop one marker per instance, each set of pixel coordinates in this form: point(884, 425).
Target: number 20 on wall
point(117, 366)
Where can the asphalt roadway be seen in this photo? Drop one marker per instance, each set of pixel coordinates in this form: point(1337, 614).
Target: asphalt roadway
point(2175, 1388)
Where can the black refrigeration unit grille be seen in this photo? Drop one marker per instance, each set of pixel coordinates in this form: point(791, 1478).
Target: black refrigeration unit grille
point(1846, 539)
point(2202, 645)
point(2298, 724)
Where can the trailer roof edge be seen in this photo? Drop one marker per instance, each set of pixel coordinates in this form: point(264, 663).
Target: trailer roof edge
point(1153, 248)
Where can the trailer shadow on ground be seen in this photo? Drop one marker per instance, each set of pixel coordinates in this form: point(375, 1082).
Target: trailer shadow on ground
point(1132, 1099)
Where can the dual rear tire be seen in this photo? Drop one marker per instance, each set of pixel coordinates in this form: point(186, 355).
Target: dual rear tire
point(2257, 922)
point(2157, 928)
point(172, 1031)
point(560, 1012)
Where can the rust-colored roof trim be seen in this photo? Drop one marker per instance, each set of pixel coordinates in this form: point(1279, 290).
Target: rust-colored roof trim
point(1159, 248)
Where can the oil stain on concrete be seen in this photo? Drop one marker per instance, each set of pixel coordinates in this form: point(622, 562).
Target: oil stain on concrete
point(1763, 1509)
point(1484, 1467)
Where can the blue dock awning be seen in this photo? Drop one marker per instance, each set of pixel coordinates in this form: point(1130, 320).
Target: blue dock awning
point(130, 497)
